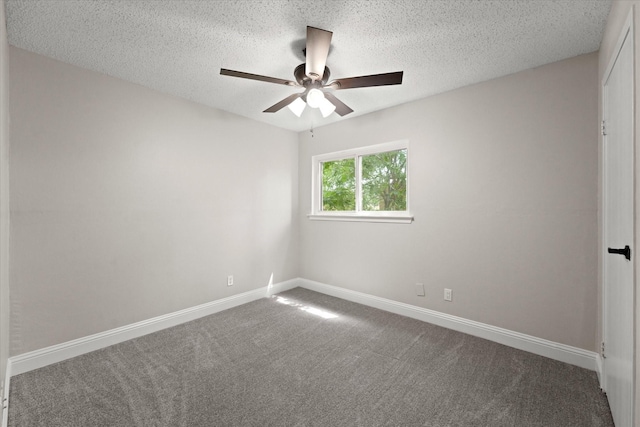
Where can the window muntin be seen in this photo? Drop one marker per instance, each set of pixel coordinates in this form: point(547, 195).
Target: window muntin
point(363, 183)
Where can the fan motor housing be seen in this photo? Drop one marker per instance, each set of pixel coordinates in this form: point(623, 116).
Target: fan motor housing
point(305, 80)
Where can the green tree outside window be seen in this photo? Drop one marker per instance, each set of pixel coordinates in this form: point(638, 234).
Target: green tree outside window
point(383, 180)
point(339, 185)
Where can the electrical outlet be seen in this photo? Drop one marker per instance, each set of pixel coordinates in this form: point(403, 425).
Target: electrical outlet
point(229, 280)
point(420, 289)
point(447, 294)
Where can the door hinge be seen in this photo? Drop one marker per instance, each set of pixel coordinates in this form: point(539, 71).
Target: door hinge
point(602, 351)
point(604, 129)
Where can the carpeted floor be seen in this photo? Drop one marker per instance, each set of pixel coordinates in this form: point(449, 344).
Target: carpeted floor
point(287, 361)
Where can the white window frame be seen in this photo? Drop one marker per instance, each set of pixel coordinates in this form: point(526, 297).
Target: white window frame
point(400, 217)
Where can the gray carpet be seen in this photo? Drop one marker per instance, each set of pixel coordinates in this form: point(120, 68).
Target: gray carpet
point(278, 362)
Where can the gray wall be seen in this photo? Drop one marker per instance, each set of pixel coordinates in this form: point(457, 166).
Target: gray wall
point(128, 204)
point(504, 192)
point(4, 195)
point(617, 17)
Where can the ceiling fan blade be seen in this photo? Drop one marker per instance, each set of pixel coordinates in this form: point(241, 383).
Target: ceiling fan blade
point(367, 81)
point(280, 105)
point(318, 44)
point(341, 108)
point(250, 76)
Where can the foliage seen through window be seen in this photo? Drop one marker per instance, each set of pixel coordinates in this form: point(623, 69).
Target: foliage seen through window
point(382, 178)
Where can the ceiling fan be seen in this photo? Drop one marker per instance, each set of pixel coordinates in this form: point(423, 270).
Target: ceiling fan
point(313, 76)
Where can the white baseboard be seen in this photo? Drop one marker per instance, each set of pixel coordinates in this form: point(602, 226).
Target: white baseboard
point(57, 353)
point(37, 359)
point(599, 371)
point(553, 350)
point(5, 402)
point(282, 286)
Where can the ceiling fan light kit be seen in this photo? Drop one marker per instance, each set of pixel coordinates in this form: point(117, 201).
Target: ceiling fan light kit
point(314, 97)
point(326, 107)
point(297, 106)
point(313, 76)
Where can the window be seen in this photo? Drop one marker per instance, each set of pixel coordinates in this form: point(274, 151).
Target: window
point(363, 184)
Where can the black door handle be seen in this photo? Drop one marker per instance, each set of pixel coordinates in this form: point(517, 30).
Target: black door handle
point(626, 252)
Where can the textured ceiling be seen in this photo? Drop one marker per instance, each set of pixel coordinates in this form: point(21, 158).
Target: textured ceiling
point(178, 47)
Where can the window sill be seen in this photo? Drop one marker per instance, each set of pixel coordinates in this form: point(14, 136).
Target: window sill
point(400, 218)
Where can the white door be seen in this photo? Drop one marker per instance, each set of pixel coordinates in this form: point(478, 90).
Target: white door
point(618, 232)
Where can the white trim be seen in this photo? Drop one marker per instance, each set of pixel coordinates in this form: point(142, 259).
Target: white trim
point(400, 144)
point(281, 287)
point(37, 359)
point(599, 371)
point(553, 350)
point(359, 215)
point(362, 217)
point(626, 32)
point(57, 353)
point(5, 407)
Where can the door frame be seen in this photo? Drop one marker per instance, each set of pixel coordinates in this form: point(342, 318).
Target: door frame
point(627, 30)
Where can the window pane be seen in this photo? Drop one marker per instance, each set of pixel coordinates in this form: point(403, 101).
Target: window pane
point(384, 181)
point(339, 185)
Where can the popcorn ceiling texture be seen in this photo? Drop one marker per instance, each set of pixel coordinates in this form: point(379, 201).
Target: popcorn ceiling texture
point(178, 47)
